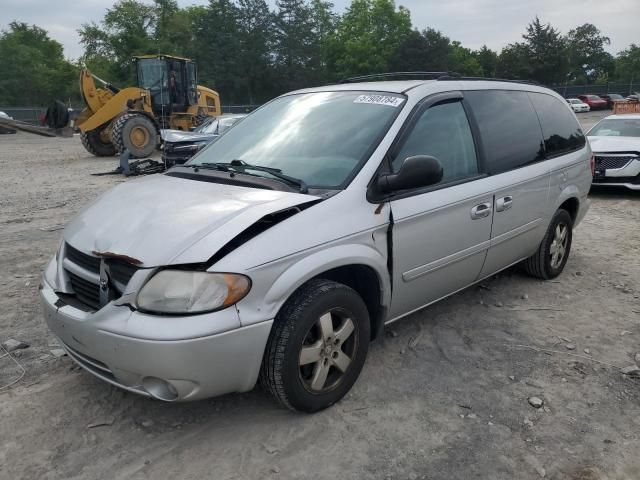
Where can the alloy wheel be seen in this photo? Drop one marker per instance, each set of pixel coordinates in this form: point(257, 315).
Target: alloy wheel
point(558, 247)
point(327, 351)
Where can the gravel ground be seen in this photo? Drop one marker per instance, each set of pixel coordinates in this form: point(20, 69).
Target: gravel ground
point(444, 395)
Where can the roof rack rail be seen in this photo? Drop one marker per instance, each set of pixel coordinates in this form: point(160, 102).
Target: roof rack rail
point(400, 75)
point(459, 77)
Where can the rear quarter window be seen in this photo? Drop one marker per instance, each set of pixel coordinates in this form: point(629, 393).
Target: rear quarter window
point(560, 128)
point(509, 128)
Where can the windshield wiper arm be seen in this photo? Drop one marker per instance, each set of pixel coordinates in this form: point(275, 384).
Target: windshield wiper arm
point(215, 166)
point(276, 172)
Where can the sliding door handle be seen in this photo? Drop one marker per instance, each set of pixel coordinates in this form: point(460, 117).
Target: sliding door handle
point(504, 203)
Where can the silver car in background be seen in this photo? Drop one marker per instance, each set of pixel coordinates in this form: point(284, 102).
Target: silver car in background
point(278, 252)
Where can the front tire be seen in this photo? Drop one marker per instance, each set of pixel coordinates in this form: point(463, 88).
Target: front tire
point(553, 252)
point(317, 346)
point(97, 143)
point(136, 133)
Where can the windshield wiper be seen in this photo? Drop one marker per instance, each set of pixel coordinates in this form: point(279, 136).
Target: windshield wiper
point(241, 165)
point(212, 166)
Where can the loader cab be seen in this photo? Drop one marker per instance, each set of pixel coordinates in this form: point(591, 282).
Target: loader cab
point(171, 81)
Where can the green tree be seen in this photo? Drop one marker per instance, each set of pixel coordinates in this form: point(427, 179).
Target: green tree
point(588, 59)
point(627, 64)
point(463, 61)
point(293, 29)
point(323, 25)
point(513, 62)
point(541, 57)
point(127, 29)
point(488, 60)
point(256, 43)
point(367, 36)
point(216, 29)
point(426, 51)
point(34, 71)
point(546, 53)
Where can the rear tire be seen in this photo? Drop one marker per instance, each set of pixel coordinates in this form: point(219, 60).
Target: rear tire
point(136, 133)
point(95, 144)
point(553, 252)
point(317, 346)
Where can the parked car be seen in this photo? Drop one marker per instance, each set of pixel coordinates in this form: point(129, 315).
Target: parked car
point(594, 101)
point(615, 141)
point(179, 146)
point(4, 129)
point(283, 248)
point(578, 105)
point(611, 98)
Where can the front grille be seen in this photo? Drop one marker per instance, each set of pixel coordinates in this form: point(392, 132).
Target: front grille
point(83, 260)
point(606, 162)
point(121, 272)
point(86, 291)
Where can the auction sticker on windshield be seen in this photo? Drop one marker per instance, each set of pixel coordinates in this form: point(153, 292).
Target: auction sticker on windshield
point(380, 100)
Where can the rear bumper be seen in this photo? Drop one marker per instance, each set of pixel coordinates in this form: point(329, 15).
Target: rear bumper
point(172, 370)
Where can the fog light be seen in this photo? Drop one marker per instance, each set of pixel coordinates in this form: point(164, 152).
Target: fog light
point(160, 389)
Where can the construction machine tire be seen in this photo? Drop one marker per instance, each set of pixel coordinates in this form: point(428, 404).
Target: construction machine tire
point(96, 144)
point(136, 133)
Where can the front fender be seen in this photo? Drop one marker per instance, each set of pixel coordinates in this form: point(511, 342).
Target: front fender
point(310, 266)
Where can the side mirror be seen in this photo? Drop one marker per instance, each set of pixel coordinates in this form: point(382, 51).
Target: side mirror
point(415, 172)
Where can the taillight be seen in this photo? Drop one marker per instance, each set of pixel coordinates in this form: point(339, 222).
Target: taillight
point(592, 164)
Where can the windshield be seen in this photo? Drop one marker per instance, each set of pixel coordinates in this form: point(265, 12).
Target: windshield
point(576, 101)
point(319, 138)
point(593, 97)
point(615, 96)
point(151, 73)
point(616, 128)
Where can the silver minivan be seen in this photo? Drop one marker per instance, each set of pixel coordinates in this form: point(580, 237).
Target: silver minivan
point(281, 250)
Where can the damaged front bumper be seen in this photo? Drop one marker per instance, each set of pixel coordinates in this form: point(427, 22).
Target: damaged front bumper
point(171, 358)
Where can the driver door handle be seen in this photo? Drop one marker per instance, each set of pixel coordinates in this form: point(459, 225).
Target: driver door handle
point(481, 210)
point(504, 203)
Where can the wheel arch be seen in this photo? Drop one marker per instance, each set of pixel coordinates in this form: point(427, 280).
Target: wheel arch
point(571, 205)
point(569, 200)
point(358, 266)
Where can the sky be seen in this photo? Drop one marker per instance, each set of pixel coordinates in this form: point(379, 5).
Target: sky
point(474, 23)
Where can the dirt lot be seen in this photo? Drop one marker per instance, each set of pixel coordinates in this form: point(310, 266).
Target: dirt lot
point(442, 396)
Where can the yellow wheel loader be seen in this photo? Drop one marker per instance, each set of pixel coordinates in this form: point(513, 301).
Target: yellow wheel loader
point(167, 96)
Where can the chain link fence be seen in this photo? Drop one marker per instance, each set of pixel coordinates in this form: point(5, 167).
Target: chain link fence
point(33, 115)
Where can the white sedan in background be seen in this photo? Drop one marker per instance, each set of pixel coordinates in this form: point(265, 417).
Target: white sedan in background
point(578, 105)
point(615, 142)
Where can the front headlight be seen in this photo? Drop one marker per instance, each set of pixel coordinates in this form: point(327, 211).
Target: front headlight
point(182, 291)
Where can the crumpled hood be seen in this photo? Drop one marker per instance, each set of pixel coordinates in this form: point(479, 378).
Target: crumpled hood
point(174, 136)
point(614, 144)
point(158, 218)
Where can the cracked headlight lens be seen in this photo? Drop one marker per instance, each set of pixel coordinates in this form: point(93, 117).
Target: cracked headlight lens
point(184, 292)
